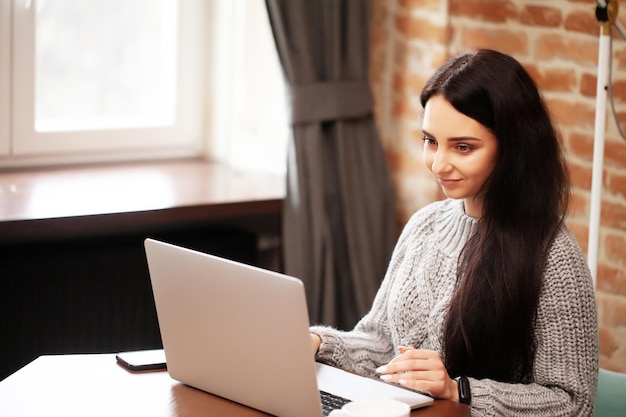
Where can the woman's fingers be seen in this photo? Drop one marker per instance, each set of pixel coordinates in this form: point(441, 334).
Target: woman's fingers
point(421, 370)
point(411, 359)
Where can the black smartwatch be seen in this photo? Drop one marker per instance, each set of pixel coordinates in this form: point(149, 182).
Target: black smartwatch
point(465, 394)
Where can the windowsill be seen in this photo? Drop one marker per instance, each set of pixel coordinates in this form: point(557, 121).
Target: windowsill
point(55, 203)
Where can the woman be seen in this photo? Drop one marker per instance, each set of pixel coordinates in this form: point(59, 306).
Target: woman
point(487, 299)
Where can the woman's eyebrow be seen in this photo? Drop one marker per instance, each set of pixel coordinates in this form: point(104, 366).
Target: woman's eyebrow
point(426, 133)
point(455, 139)
point(465, 139)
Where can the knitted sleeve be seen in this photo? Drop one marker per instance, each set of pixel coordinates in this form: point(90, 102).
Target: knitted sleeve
point(566, 337)
point(370, 344)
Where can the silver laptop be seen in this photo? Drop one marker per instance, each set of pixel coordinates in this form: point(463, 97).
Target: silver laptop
point(242, 333)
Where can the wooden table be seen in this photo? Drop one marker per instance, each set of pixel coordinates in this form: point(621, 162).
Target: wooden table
point(94, 385)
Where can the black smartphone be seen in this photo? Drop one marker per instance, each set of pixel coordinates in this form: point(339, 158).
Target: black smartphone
point(142, 360)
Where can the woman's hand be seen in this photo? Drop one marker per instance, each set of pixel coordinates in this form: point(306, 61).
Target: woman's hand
point(421, 370)
point(316, 342)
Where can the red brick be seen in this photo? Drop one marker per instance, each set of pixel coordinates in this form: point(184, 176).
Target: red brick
point(580, 145)
point(618, 88)
point(554, 46)
point(403, 109)
point(407, 83)
point(418, 28)
point(615, 248)
point(407, 163)
point(378, 40)
point(400, 54)
point(541, 16)
point(508, 41)
point(399, 81)
point(608, 345)
point(611, 280)
point(615, 183)
point(408, 5)
point(615, 152)
point(581, 233)
point(613, 311)
point(379, 16)
point(571, 113)
point(583, 21)
point(621, 116)
point(619, 58)
point(580, 176)
point(613, 215)
point(578, 205)
point(550, 79)
point(393, 159)
point(485, 10)
point(588, 85)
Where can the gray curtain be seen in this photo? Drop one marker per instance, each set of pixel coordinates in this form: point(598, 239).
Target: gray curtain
point(338, 227)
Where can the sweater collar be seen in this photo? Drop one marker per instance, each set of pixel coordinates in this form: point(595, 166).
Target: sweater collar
point(453, 226)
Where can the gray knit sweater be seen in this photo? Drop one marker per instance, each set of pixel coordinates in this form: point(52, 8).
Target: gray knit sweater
point(411, 305)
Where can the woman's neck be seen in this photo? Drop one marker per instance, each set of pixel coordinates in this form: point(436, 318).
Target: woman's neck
point(473, 207)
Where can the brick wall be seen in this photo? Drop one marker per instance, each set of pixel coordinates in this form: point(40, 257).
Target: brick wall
point(557, 41)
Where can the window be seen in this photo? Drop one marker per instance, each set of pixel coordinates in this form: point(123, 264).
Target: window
point(251, 110)
point(86, 79)
point(104, 80)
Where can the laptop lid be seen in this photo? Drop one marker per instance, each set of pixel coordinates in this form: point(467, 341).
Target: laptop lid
point(236, 332)
point(242, 333)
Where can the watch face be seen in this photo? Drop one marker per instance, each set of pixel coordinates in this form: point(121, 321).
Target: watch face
point(465, 395)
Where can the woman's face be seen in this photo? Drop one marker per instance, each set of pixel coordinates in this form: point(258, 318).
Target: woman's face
point(459, 151)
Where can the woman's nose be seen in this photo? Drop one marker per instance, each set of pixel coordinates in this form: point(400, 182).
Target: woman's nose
point(441, 162)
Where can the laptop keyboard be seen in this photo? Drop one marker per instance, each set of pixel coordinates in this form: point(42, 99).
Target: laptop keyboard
point(331, 402)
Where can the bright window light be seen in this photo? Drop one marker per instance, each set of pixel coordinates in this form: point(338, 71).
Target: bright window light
point(105, 64)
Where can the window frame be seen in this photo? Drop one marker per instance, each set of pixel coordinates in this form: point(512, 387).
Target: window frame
point(5, 76)
point(21, 145)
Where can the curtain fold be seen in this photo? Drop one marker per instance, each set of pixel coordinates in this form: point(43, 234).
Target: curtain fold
point(338, 218)
point(333, 100)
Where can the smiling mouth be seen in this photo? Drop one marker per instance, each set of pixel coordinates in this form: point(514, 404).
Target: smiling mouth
point(445, 181)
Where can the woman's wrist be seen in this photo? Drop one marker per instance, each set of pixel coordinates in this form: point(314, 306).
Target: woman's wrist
point(316, 342)
point(454, 394)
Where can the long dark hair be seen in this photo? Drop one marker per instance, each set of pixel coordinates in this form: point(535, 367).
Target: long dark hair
point(489, 329)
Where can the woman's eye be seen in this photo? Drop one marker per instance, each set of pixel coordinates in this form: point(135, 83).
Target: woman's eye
point(429, 141)
point(464, 148)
